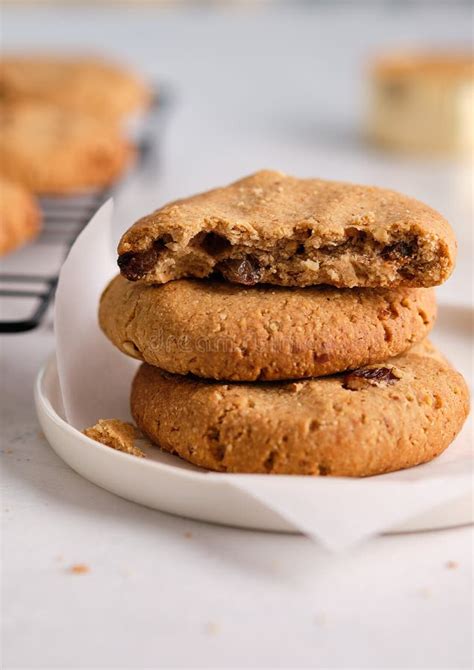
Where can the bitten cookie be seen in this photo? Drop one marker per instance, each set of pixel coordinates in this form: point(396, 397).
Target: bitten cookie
point(275, 229)
point(219, 330)
point(50, 150)
point(20, 218)
point(87, 85)
point(375, 419)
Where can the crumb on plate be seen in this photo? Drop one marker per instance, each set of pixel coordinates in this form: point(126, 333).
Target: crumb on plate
point(116, 434)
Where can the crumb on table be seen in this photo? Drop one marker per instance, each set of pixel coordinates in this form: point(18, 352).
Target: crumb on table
point(79, 569)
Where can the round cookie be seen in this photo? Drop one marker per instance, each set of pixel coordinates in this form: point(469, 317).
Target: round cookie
point(373, 420)
point(20, 218)
point(88, 85)
point(51, 150)
point(218, 330)
point(271, 228)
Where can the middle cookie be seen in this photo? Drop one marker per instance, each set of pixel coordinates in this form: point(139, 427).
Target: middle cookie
point(223, 331)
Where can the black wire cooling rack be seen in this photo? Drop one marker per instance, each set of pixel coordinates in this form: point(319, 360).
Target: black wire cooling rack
point(63, 220)
point(30, 291)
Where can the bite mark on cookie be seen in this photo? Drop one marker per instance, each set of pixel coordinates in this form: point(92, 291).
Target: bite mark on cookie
point(275, 229)
point(136, 265)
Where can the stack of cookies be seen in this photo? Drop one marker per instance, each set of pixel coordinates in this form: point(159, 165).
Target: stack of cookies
point(61, 131)
point(282, 323)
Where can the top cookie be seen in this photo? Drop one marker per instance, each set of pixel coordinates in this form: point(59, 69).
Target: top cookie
point(89, 85)
point(275, 229)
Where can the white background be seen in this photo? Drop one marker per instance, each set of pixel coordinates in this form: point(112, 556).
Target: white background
point(253, 87)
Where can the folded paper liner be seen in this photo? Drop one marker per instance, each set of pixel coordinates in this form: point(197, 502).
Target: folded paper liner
point(95, 383)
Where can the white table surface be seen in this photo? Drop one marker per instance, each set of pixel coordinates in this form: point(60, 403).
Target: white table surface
point(253, 87)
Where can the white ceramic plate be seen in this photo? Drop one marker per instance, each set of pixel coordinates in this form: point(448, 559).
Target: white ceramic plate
point(166, 483)
point(155, 481)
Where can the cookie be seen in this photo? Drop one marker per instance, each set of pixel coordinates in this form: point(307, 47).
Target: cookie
point(373, 420)
point(274, 229)
point(20, 218)
point(88, 85)
point(50, 150)
point(219, 330)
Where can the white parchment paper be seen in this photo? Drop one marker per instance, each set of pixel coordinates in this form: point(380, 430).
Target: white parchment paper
point(95, 383)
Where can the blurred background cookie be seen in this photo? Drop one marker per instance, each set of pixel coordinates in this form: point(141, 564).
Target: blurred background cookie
point(91, 85)
point(423, 102)
point(52, 150)
point(20, 218)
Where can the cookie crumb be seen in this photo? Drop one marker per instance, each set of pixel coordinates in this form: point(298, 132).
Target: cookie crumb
point(116, 434)
point(79, 569)
point(451, 565)
point(188, 534)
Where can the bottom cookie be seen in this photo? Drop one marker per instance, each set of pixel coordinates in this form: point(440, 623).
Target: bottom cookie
point(369, 421)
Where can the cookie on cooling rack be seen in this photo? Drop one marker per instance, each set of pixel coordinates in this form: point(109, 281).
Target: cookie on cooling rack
point(20, 218)
point(56, 151)
point(90, 85)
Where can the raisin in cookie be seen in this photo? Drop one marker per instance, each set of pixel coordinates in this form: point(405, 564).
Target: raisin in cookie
point(372, 420)
point(219, 330)
point(88, 85)
point(20, 218)
point(274, 229)
point(51, 150)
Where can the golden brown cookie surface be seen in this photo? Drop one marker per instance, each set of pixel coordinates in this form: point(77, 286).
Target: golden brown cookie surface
point(275, 229)
point(20, 218)
point(376, 419)
point(89, 85)
point(220, 330)
point(50, 150)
